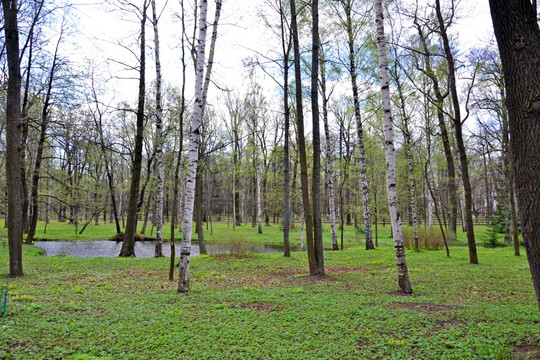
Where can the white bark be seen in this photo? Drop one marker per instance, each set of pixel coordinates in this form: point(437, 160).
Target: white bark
point(401, 261)
point(159, 140)
point(331, 194)
point(193, 157)
point(259, 202)
point(411, 185)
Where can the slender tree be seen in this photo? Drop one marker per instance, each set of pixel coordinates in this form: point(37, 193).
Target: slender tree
point(401, 261)
point(158, 217)
point(458, 130)
point(128, 244)
point(196, 122)
point(313, 269)
point(316, 175)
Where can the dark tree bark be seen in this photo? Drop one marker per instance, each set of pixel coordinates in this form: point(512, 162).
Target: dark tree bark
point(13, 139)
point(473, 256)
point(128, 244)
point(518, 37)
point(313, 269)
point(286, 50)
point(451, 168)
point(316, 176)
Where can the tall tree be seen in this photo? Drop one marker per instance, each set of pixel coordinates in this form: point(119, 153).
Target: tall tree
point(13, 139)
point(440, 96)
point(196, 122)
point(458, 131)
point(518, 37)
point(401, 261)
point(313, 269)
point(316, 175)
point(159, 139)
point(348, 22)
point(128, 244)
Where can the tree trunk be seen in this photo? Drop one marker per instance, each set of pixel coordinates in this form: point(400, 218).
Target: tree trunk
point(13, 139)
point(316, 176)
point(439, 98)
point(329, 158)
point(286, 49)
point(473, 256)
point(158, 213)
point(196, 121)
point(40, 148)
point(313, 269)
point(518, 37)
point(128, 244)
point(181, 147)
point(401, 261)
point(361, 152)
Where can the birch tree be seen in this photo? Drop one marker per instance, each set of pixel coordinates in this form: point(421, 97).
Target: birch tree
point(159, 139)
point(196, 122)
point(404, 283)
point(347, 23)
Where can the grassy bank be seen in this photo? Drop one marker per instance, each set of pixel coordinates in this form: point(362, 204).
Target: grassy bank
point(255, 306)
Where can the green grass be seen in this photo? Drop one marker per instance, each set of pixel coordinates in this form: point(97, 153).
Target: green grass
point(263, 306)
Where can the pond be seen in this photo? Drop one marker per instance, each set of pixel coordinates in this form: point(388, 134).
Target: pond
point(106, 248)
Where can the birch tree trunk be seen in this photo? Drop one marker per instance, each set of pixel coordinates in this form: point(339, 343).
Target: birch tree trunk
point(196, 121)
point(159, 140)
point(259, 203)
point(13, 139)
point(361, 151)
point(401, 261)
point(329, 158)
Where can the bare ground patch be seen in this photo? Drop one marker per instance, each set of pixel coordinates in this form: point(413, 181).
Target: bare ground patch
point(531, 352)
point(260, 306)
point(426, 308)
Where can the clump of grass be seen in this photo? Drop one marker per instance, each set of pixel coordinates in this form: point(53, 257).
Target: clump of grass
point(428, 238)
point(234, 243)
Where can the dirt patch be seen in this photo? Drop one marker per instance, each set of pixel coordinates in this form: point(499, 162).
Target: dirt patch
point(446, 323)
point(426, 308)
point(342, 270)
point(260, 306)
point(530, 352)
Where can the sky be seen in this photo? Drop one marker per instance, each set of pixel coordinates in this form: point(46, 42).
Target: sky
point(103, 31)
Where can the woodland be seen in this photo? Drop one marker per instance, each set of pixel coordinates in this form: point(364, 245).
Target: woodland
point(390, 171)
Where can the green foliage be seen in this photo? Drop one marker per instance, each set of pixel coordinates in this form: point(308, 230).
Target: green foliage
point(264, 306)
point(491, 235)
point(428, 238)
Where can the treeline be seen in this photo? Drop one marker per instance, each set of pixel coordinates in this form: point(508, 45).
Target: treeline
point(450, 126)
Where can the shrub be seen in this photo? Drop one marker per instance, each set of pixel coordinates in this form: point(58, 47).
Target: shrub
point(428, 238)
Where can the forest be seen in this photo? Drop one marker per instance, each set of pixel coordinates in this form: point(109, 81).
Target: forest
point(358, 140)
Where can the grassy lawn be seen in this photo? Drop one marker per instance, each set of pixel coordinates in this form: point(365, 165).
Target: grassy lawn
point(263, 306)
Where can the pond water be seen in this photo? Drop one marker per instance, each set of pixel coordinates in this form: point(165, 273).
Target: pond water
point(106, 248)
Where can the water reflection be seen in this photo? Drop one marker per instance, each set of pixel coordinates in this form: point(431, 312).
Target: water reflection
point(89, 249)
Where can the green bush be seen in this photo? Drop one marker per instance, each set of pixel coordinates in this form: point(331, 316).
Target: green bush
point(428, 238)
